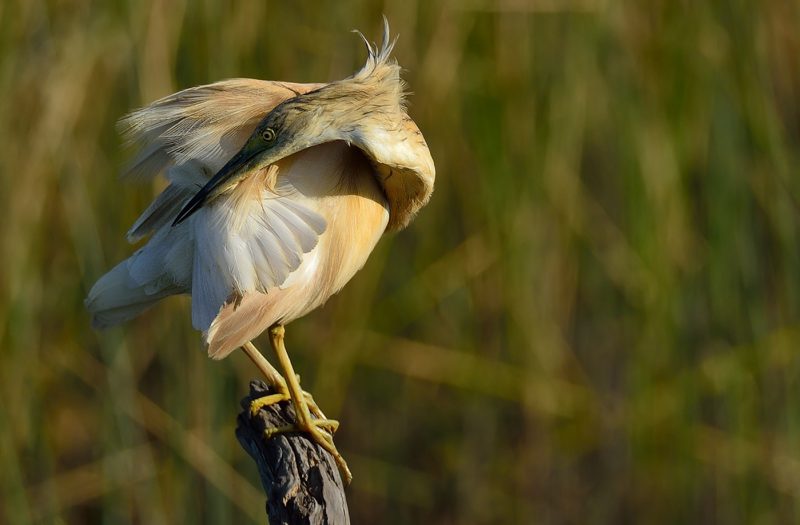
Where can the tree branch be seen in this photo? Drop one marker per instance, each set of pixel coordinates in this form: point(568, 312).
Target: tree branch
point(301, 480)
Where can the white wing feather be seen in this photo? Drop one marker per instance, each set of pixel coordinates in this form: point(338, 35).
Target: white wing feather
point(207, 257)
point(274, 234)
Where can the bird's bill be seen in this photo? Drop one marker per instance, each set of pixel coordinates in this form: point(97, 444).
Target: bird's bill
point(232, 172)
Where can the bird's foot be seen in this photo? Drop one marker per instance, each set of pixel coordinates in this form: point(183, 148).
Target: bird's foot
point(265, 401)
point(320, 431)
point(271, 399)
point(319, 428)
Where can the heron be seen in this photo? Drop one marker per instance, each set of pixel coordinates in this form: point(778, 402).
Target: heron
point(277, 194)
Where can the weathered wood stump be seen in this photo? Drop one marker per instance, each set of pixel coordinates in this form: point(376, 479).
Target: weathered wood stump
point(301, 480)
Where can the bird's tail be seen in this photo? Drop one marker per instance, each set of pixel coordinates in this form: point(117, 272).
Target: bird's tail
point(117, 297)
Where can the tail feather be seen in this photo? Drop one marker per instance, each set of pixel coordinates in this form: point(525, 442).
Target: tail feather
point(117, 298)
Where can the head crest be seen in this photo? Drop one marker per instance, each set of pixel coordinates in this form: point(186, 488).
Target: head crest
point(378, 56)
point(380, 70)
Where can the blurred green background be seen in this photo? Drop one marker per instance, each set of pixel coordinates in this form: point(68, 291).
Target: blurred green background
point(595, 320)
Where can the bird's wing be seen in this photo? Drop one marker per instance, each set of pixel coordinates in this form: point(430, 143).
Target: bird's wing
point(205, 124)
point(192, 134)
point(185, 179)
point(249, 241)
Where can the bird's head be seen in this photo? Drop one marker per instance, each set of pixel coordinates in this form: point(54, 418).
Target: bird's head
point(367, 111)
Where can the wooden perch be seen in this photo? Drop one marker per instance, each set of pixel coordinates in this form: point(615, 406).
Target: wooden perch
point(301, 480)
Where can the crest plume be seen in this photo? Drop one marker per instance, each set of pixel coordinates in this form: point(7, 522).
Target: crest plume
point(381, 72)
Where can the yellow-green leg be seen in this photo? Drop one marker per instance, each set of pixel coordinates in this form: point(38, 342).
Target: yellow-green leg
point(272, 376)
point(320, 429)
point(314, 427)
point(276, 381)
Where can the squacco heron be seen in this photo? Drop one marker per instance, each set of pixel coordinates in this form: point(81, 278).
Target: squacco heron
point(278, 192)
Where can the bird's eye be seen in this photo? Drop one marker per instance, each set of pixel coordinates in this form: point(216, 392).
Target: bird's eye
point(268, 135)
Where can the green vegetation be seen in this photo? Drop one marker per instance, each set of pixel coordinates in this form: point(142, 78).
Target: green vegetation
point(595, 320)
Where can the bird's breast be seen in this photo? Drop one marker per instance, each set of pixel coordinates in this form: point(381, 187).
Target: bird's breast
point(345, 191)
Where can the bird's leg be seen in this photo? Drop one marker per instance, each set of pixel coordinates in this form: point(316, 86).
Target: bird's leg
point(276, 381)
point(315, 427)
point(272, 376)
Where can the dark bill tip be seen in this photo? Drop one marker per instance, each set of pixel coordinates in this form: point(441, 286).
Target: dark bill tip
point(192, 206)
point(231, 170)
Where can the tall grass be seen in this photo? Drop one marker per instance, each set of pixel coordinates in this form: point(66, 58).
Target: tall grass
point(595, 320)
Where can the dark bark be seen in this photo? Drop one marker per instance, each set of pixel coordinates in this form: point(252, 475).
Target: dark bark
point(301, 480)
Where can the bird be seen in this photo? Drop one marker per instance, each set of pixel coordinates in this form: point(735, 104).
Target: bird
point(277, 194)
